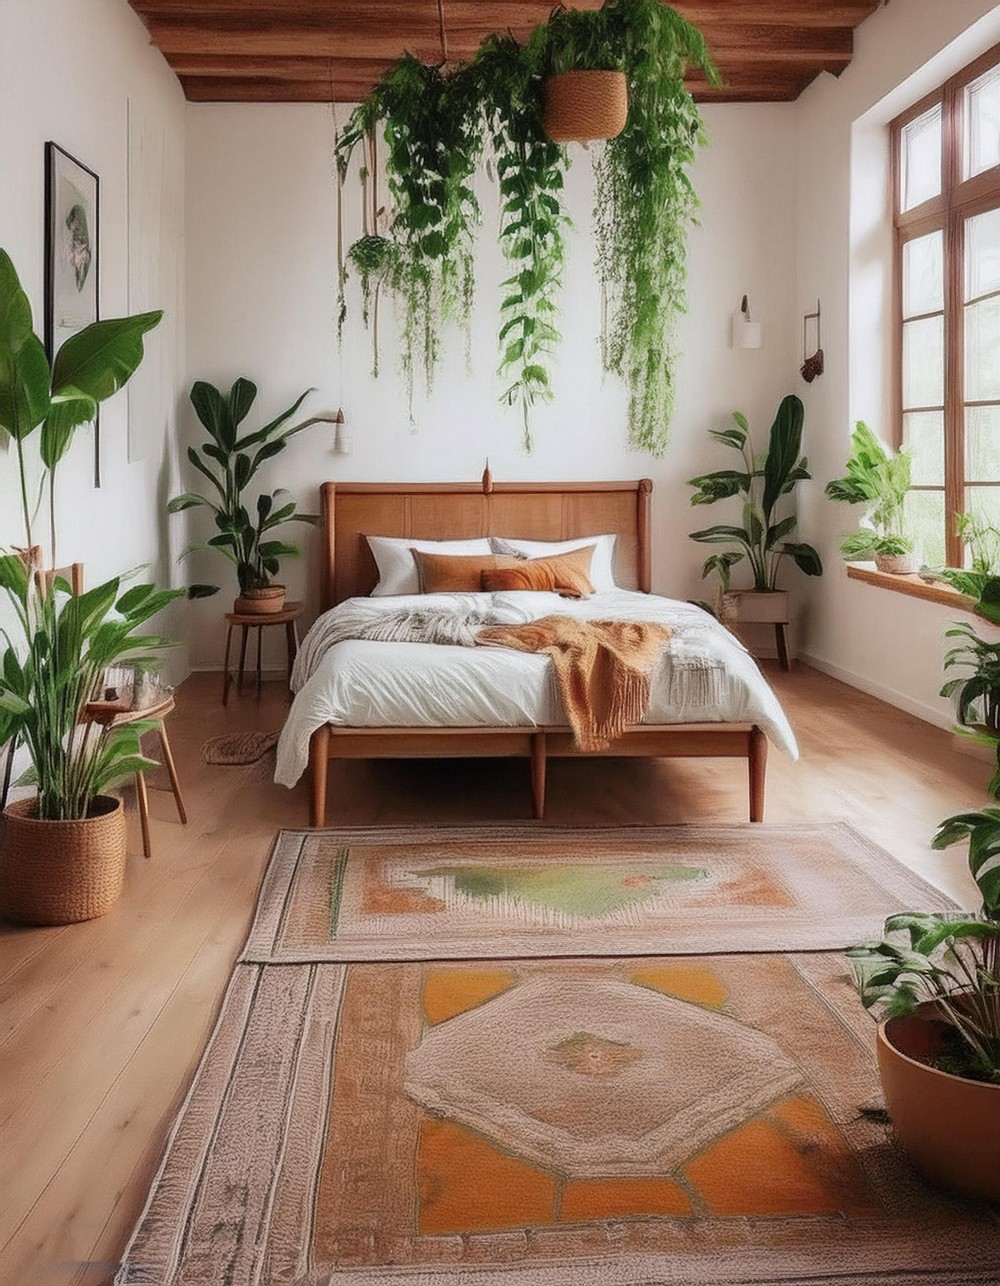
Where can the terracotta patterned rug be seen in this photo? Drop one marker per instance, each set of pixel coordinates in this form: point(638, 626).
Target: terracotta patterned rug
point(695, 1121)
point(448, 893)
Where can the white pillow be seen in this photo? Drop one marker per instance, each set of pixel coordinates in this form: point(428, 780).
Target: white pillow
point(602, 565)
point(397, 572)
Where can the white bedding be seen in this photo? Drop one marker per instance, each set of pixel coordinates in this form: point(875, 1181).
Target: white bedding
point(704, 676)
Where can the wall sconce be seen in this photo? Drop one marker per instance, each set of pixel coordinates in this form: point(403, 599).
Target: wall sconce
point(342, 436)
point(746, 333)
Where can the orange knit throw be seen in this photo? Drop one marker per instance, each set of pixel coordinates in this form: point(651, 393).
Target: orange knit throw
point(603, 669)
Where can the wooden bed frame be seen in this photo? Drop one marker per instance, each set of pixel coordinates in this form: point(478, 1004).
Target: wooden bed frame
point(529, 511)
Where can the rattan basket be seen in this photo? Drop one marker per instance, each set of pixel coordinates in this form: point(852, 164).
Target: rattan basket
point(260, 602)
point(61, 872)
point(585, 105)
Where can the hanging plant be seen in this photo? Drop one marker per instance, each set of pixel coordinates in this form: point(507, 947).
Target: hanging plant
point(529, 169)
point(646, 203)
point(434, 142)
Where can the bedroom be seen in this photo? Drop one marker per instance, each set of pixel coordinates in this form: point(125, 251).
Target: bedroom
point(224, 215)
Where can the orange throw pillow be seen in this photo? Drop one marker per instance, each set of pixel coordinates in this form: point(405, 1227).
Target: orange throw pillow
point(564, 574)
point(454, 573)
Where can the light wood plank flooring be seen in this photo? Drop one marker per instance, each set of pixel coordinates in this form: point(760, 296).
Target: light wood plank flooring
point(103, 1023)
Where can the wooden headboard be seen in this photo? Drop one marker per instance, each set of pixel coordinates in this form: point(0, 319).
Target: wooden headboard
point(458, 511)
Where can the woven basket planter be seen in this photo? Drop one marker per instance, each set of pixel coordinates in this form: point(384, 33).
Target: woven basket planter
point(260, 602)
point(61, 872)
point(585, 105)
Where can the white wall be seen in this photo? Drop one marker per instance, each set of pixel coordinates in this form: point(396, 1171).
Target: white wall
point(67, 72)
point(878, 640)
point(261, 220)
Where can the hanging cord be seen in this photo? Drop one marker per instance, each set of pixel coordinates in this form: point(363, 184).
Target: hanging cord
point(338, 175)
point(371, 143)
point(443, 32)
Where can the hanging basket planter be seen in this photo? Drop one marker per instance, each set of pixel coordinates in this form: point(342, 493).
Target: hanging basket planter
point(582, 106)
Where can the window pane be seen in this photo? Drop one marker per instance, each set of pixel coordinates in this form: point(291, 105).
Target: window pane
point(923, 274)
point(923, 362)
point(920, 159)
point(982, 443)
point(925, 510)
point(982, 350)
point(984, 504)
point(982, 254)
point(982, 131)
point(923, 433)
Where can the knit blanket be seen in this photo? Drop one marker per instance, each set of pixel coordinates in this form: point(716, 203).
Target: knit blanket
point(603, 669)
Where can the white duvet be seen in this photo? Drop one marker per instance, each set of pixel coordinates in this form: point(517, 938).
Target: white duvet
point(704, 674)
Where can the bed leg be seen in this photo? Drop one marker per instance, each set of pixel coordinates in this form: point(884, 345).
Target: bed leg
point(757, 767)
point(319, 763)
point(538, 765)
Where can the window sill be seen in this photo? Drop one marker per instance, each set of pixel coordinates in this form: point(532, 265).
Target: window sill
point(912, 585)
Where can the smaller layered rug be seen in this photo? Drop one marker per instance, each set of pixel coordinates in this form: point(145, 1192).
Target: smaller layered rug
point(469, 893)
point(709, 1121)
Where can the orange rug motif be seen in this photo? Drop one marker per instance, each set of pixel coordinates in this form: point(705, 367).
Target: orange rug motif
point(682, 1120)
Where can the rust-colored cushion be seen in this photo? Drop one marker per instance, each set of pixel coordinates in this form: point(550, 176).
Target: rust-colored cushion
point(455, 573)
point(565, 574)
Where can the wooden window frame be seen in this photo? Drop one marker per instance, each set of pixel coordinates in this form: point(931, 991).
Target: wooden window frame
point(959, 200)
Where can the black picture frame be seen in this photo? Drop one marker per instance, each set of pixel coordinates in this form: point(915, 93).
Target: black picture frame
point(72, 255)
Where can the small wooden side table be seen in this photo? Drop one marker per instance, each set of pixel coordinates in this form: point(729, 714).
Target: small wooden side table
point(246, 621)
point(100, 712)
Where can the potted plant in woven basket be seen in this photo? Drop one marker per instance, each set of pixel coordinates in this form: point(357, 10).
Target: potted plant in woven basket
point(762, 541)
point(230, 461)
point(879, 479)
point(585, 94)
point(63, 856)
point(935, 981)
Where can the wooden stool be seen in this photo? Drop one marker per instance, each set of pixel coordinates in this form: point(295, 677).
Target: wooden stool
point(247, 621)
point(160, 712)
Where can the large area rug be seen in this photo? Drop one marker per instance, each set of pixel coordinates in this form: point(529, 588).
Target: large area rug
point(689, 1115)
point(461, 893)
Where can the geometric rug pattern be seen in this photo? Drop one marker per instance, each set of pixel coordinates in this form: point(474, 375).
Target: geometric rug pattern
point(411, 894)
point(546, 1122)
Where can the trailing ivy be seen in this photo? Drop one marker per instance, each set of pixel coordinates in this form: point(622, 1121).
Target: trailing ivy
point(529, 168)
point(434, 143)
point(645, 205)
point(436, 125)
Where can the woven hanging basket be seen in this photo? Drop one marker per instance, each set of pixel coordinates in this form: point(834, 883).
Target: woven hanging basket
point(585, 105)
point(61, 872)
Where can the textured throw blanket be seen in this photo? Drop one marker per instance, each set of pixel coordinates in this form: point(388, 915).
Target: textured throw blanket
point(603, 669)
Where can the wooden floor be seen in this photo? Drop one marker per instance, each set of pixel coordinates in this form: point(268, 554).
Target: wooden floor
point(103, 1023)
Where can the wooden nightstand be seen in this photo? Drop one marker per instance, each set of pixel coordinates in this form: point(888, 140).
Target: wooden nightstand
point(287, 617)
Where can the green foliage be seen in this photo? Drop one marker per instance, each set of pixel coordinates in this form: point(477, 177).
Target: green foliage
point(92, 365)
point(878, 479)
point(981, 580)
point(434, 142)
point(56, 668)
point(759, 484)
point(977, 694)
point(529, 168)
point(436, 125)
point(645, 200)
point(229, 461)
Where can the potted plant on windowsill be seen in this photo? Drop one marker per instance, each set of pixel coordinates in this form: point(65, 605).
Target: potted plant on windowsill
point(878, 479)
point(230, 462)
point(762, 540)
point(63, 857)
point(936, 984)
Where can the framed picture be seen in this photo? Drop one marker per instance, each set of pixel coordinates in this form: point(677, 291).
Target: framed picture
point(72, 255)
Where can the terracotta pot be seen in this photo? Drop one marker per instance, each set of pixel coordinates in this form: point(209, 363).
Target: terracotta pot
point(950, 1127)
point(584, 105)
point(260, 602)
point(61, 872)
point(899, 564)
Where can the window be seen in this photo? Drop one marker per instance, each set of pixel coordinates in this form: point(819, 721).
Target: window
point(946, 213)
